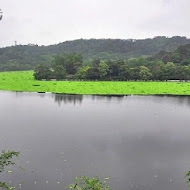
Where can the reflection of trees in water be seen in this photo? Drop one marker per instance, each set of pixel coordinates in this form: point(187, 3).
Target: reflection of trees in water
point(1, 14)
point(79, 98)
point(183, 100)
point(59, 98)
point(173, 99)
point(108, 98)
point(176, 99)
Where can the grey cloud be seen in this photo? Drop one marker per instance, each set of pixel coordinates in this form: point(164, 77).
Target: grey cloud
point(50, 22)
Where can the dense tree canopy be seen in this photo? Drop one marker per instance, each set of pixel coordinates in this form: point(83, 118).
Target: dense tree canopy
point(42, 72)
point(72, 67)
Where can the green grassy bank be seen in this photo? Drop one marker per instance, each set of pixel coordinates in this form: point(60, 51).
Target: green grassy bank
point(24, 81)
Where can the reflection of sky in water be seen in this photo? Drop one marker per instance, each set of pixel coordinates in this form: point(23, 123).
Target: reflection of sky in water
point(140, 142)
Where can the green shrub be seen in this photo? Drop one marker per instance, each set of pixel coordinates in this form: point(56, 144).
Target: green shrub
point(5, 160)
point(85, 183)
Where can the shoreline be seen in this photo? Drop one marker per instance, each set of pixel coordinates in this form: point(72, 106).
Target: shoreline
point(23, 81)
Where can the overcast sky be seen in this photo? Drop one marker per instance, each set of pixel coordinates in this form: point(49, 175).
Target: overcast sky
point(46, 22)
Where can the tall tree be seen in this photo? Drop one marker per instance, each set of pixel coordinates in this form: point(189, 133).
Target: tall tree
point(59, 72)
point(134, 73)
point(103, 69)
point(82, 72)
point(71, 62)
point(145, 73)
point(42, 72)
point(169, 71)
point(158, 70)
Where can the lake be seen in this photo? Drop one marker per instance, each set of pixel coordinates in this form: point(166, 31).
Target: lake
point(139, 142)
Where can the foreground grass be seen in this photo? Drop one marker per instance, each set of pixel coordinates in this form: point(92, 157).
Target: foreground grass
point(24, 81)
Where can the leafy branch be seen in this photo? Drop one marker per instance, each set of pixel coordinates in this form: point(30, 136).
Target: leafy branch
point(85, 183)
point(6, 160)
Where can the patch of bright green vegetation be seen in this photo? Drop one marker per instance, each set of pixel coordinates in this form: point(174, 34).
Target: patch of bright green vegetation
point(85, 183)
point(24, 81)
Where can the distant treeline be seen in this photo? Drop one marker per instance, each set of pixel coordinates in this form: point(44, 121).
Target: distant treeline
point(72, 67)
point(26, 57)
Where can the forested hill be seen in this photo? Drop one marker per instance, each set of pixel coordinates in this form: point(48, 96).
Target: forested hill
point(181, 55)
point(116, 49)
point(23, 57)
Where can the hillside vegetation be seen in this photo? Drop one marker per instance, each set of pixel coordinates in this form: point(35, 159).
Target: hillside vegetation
point(26, 57)
point(179, 56)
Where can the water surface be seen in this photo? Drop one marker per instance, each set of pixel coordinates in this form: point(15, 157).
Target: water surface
point(140, 142)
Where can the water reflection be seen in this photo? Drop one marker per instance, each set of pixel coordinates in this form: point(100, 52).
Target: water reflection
point(78, 99)
point(107, 98)
point(67, 99)
point(175, 99)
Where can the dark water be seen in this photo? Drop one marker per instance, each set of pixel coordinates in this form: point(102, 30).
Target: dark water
point(141, 143)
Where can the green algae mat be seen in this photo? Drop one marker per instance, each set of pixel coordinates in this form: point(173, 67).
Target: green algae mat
point(23, 81)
